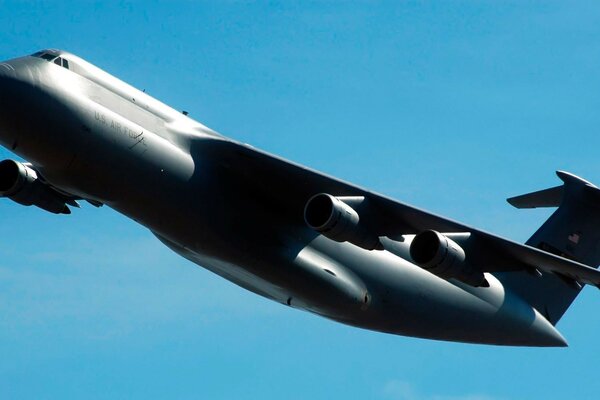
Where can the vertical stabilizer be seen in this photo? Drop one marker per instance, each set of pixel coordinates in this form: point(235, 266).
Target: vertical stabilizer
point(572, 231)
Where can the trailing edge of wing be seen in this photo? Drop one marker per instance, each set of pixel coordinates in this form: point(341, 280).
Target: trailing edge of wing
point(548, 262)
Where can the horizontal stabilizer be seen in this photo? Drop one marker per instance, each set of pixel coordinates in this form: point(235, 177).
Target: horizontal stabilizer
point(543, 198)
point(553, 197)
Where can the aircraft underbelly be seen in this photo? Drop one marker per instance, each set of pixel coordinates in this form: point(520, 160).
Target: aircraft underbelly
point(399, 297)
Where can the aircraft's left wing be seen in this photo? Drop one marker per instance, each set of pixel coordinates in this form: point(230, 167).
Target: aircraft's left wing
point(290, 185)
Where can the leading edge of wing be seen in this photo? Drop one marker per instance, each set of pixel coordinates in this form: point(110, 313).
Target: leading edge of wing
point(296, 183)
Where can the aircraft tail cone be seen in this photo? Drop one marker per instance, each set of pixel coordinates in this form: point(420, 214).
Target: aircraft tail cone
point(543, 334)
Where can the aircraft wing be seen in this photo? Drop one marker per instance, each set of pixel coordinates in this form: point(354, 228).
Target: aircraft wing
point(290, 185)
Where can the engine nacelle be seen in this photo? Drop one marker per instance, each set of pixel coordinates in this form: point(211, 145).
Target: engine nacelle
point(20, 183)
point(443, 257)
point(338, 221)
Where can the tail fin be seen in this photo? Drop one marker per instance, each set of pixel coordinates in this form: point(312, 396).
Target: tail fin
point(572, 231)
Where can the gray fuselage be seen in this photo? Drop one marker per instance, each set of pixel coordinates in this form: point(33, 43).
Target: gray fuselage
point(95, 137)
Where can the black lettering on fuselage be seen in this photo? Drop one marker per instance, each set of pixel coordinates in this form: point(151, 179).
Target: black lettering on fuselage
point(100, 117)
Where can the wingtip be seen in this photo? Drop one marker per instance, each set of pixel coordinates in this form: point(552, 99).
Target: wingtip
point(568, 177)
point(511, 201)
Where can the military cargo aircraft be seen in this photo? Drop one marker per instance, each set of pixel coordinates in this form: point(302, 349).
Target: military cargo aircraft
point(281, 230)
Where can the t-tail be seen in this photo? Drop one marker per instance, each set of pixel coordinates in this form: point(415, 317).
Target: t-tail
point(572, 232)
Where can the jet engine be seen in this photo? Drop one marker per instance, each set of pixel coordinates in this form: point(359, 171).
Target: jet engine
point(332, 217)
point(443, 257)
point(21, 184)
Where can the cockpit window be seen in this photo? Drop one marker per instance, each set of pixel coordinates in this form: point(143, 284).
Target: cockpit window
point(48, 57)
point(52, 57)
point(62, 62)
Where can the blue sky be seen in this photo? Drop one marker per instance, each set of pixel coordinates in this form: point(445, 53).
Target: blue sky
point(451, 106)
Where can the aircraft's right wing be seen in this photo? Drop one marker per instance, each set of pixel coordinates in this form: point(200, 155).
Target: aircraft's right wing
point(290, 185)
